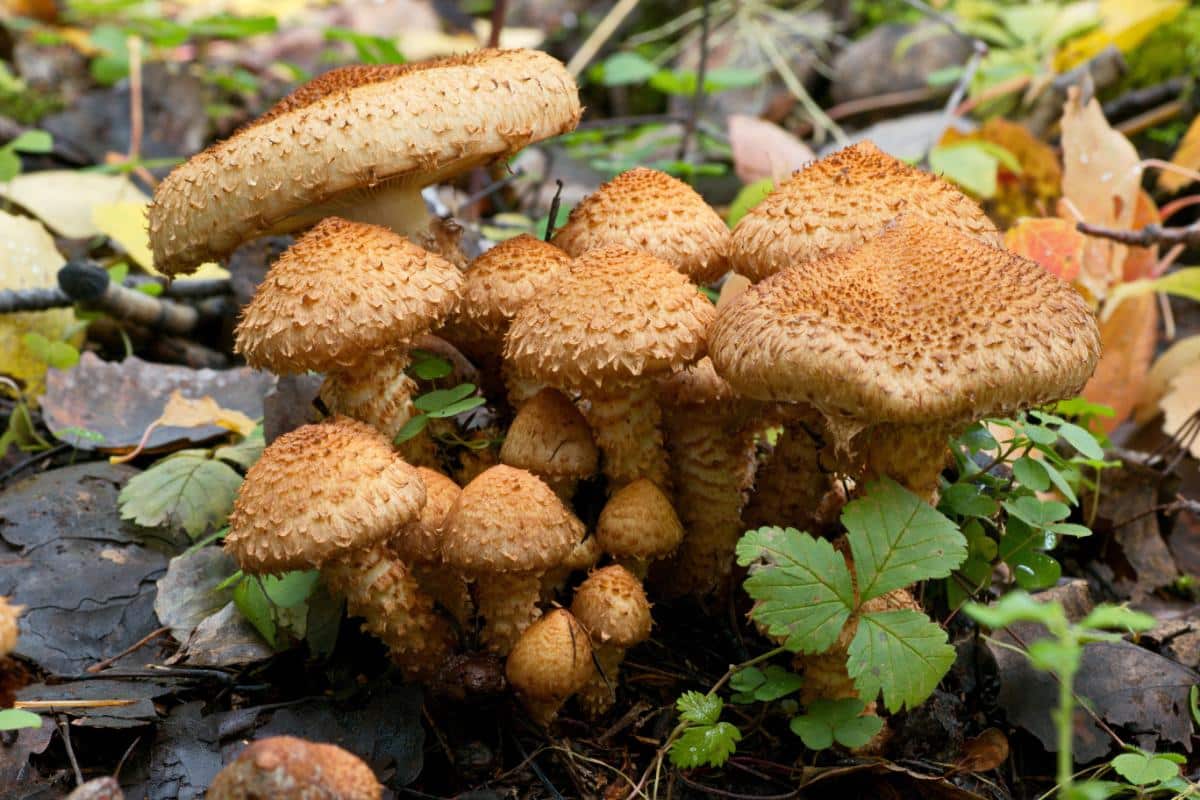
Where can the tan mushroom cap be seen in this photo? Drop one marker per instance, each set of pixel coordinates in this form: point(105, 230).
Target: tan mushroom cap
point(343, 291)
point(289, 768)
point(550, 437)
point(9, 612)
point(414, 127)
point(508, 520)
point(504, 278)
point(647, 210)
point(616, 315)
point(920, 324)
point(338, 81)
point(421, 541)
point(612, 605)
point(841, 201)
point(696, 386)
point(639, 522)
point(551, 661)
point(319, 490)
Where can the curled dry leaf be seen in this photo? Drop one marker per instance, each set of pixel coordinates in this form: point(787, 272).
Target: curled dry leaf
point(186, 412)
point(1181, 403)
point(762, 149)
point(985, 752)
point(63, 199)
point(1182, 355)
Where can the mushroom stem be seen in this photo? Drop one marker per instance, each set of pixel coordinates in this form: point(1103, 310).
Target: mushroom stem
point(382, 590)
point(395, 204)
point(600, 693)
point(790, 486)
point(448, 588)
point(911, 455)
point(627, 422)
point(508, 603)
point(519, 387)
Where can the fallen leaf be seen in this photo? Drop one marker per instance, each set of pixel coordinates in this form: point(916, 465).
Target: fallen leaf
point(1180, 356)
point(186, 412)
point(1123, 24)
point(185, 490)
point(1187, 155)
point(125, 223)
point(1101, 179)
point(1181, 283)
point(63, 199)
point(1181, 403)
point(985, 752)
point(1127, 338)
point(1050, 241)
point(1030, 191)
point(762, 149)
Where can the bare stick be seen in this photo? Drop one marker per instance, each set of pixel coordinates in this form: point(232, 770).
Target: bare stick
point(554, 204)
point(65, 730)
point(99, 665)
point(607, 27)
point(1147, 236)
point(689, 128)
point(499, 12)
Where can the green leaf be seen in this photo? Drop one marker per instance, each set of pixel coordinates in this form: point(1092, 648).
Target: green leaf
point(10, 165)
point(968, 500)
point(978, 438)
point(59, 355)
point(1194, 703)
point(764, 686)
point(441, 398)
point(1060, 482)
point(429, 367)
point(802, 585)
point(898, 539)
point(623, 69)
point(1017, 606)
point(1121, 618)
point(1181, 283)
point(32, 142)
point(705, 744)
point(456, 408)
point(186, 490)
point(12, 719)
point(1060, 656)
point(699, 709)
point(747, 198)
point(902, 654)
point(118, 272)
point(411, 428)
point(1034, 570)
point(972, 167)
point(827, 721)
point(256, 607)
point(291, 588)
point(1081, 440)
point(975, 573)
point(1031, 474)
point(1036, 512)
point(245, 452)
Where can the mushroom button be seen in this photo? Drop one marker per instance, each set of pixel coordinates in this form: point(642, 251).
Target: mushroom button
point(638, 525)
point(550, 662)
point(288, 768)
point(550, 438)
point(612, 606)
point(8, 625)
point(361, 143)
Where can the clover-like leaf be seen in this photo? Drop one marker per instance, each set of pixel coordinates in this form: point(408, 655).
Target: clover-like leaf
point(841, 721)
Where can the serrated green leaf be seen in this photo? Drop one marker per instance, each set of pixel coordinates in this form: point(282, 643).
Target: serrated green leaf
point(803, 587)
point(705, 744)
point(1120, 618)
point(897, 539)
point(291, 588)
point(411, 428)
point(441, 398)
point(699, 709)
point(186, 490)
point(902, 654)
point(12, 719)
point(455, 409)
point(245, 452)
point(256, 607)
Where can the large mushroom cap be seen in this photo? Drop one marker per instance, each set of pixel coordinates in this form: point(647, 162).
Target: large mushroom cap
point(319, 490)
point(508, 520)
point(638, 522)
point(288, 768)
point(841, 201)
point(344, 290)
point(612, 605)
point(650, 211)
point(616, 315)
point(921, 324)
point(504, 278)
point(421, 541)
point(415, 125)
point(550, 437)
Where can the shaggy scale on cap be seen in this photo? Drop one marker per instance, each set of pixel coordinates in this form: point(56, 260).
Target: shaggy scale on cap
point(504, 278)
point(638, 525)
point(419, 544)
point(288, 768)
point(319, 490)
point(840, 202)
point(648, 210)
point(335, 148)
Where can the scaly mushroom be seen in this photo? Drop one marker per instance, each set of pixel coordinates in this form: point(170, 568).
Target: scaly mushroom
point(289, 768)
point(550, 438)
point(420, 545)
point(9, 612)
point(638, 525)
point(612, 606)
point(550, 662)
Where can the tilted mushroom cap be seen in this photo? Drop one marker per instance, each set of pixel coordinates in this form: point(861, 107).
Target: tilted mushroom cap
point(421, 541)
point(551, 661)
point(336, 81)
point(288, 768)
point(840, 202)
point(410, 127)
point(638, 522)
point(550, 437)
point(343, 291)
point(650, 211)
point(612, 605)
point(921, 324)
point(508, 520)
point(504, 278)
point(617, 314)
point(318, 490)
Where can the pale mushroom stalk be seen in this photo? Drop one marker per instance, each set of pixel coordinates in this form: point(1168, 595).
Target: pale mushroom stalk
point(626, 420)
point(791, 485)
point(911, 455)
point(420, 545)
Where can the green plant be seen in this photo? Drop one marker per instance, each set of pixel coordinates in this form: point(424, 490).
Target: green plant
point(12, 719)
point(439, 403)
point(367, 48)
point(27, 142)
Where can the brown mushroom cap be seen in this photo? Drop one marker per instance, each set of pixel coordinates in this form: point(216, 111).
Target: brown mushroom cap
point(9, 612)
point(638, 522)
point(551, 661)
point(504, 278)
point(318, 490)
point(650, 211)
point(288, 768)
point(612, 605)
point(921, 324)
point(508, 520)
point(550, 437)
point(616, 315)
point(697, 386)
point(841, 201)
point(410, 128)
point(421, 541)
point(343, 291)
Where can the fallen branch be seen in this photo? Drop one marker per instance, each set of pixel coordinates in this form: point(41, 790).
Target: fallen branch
point(1146, 237)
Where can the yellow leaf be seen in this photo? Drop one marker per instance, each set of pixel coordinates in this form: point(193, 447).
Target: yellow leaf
point(63, 199)
point(1123, 23)
point(125, 223)
point(1187, 155)
point(1182, 402)
point(185, 412)
point(1173, 361)
point(1181, 283)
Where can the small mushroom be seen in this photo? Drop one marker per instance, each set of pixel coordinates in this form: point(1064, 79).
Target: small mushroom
point(612, 606)
point(638, 525)
point(650, 211)
point(550, 438)
point(360, 143)
point(9, 612)
point(608, 328)
point(550, 662)
point(289, 768)
point(420, 545)
point(506, 530)
point(841, 201)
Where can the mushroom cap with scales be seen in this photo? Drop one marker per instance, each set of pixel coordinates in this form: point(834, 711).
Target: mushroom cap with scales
point(550, 437)
point(327, 146)
point(503, 279)
point(344, 291)
point(840, 202)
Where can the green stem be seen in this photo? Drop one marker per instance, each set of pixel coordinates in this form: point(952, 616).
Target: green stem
point(1066, 731)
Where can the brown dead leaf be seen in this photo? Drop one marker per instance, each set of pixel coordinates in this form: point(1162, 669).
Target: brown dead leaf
point(762, 149)
point(1050, 241)
point(1101, 178)
point(186, 412)
point(1127, 339)
point(1180, 356)
point(985, 752)
point(1182, 402)
point(1187, 155)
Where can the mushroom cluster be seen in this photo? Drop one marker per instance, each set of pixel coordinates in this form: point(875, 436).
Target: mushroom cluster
point(886, 318)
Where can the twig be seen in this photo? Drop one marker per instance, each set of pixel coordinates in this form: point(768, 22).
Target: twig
point(1145, 237)
point(499, 12)
point(99, 665)
point(1139, 99)
point(1155, 116)
point(737, 795)
point(17, 300)
point(554, 204)
point(599, 35)
point(689, 126)
point(65, 730)
point(21, 466)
